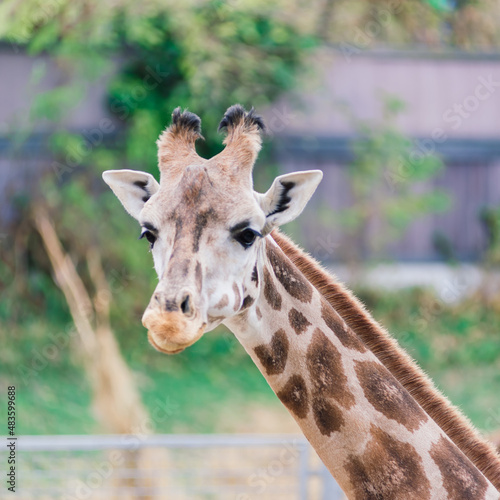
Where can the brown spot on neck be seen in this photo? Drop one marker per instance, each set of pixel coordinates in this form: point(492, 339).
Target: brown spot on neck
point(290, 277)
point(298, 321)
point(270, 293)
point(294, 396)
point(387, 470)
point(388, 396)
point(327, 415)
point(274, 355)
point(336, 325)
point(326, 370)
point(460, 478)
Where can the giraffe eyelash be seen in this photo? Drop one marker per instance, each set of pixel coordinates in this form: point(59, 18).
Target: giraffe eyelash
point(146, 233)
point(247, 237)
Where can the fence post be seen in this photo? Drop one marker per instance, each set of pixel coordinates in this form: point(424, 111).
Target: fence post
point(303, 471)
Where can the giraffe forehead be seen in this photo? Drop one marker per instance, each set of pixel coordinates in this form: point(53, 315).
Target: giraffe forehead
point(201, 190)
point(195, 189)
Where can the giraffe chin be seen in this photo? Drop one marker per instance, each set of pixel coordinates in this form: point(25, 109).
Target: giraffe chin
point(164, 350)
point(171, 333)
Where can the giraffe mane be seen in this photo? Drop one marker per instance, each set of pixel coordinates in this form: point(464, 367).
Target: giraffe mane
point(456, 426)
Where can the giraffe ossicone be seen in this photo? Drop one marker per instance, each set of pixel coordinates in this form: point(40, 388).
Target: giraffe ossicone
point(375, 420)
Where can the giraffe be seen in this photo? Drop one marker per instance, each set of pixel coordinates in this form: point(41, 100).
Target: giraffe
point(373, 417)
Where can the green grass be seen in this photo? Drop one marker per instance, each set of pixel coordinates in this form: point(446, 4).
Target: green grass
point(214, 381)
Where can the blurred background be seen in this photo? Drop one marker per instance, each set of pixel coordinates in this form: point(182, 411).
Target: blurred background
point(398, 102)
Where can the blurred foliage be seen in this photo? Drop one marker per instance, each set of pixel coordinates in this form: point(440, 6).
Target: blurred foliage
point(363, 24)
point(160, 55)
point(490, 217)
point(387, 176)
point(229, 28)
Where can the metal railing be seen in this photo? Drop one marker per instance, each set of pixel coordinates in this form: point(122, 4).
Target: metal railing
point(172, 467)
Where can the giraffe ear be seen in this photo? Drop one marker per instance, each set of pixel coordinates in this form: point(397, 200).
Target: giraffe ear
point(287, 197)
point(132, 188)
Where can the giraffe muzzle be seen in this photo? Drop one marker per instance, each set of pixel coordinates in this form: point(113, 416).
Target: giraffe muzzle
point(173, 323)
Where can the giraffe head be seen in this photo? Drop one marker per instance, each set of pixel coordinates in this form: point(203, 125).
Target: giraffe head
point(205, 224)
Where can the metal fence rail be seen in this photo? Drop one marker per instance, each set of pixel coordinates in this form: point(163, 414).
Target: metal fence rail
point(172, 467)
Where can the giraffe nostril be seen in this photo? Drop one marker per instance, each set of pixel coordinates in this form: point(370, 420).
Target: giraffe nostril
point(186, 305)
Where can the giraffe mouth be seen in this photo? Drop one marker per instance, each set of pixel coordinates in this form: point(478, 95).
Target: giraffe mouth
point(163, 344)
point(161, 349)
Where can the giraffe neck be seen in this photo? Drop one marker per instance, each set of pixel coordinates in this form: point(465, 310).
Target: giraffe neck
point(368, 430)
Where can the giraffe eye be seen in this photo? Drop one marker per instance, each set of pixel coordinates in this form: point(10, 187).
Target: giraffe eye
point(246, 238)
point(149, 236)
